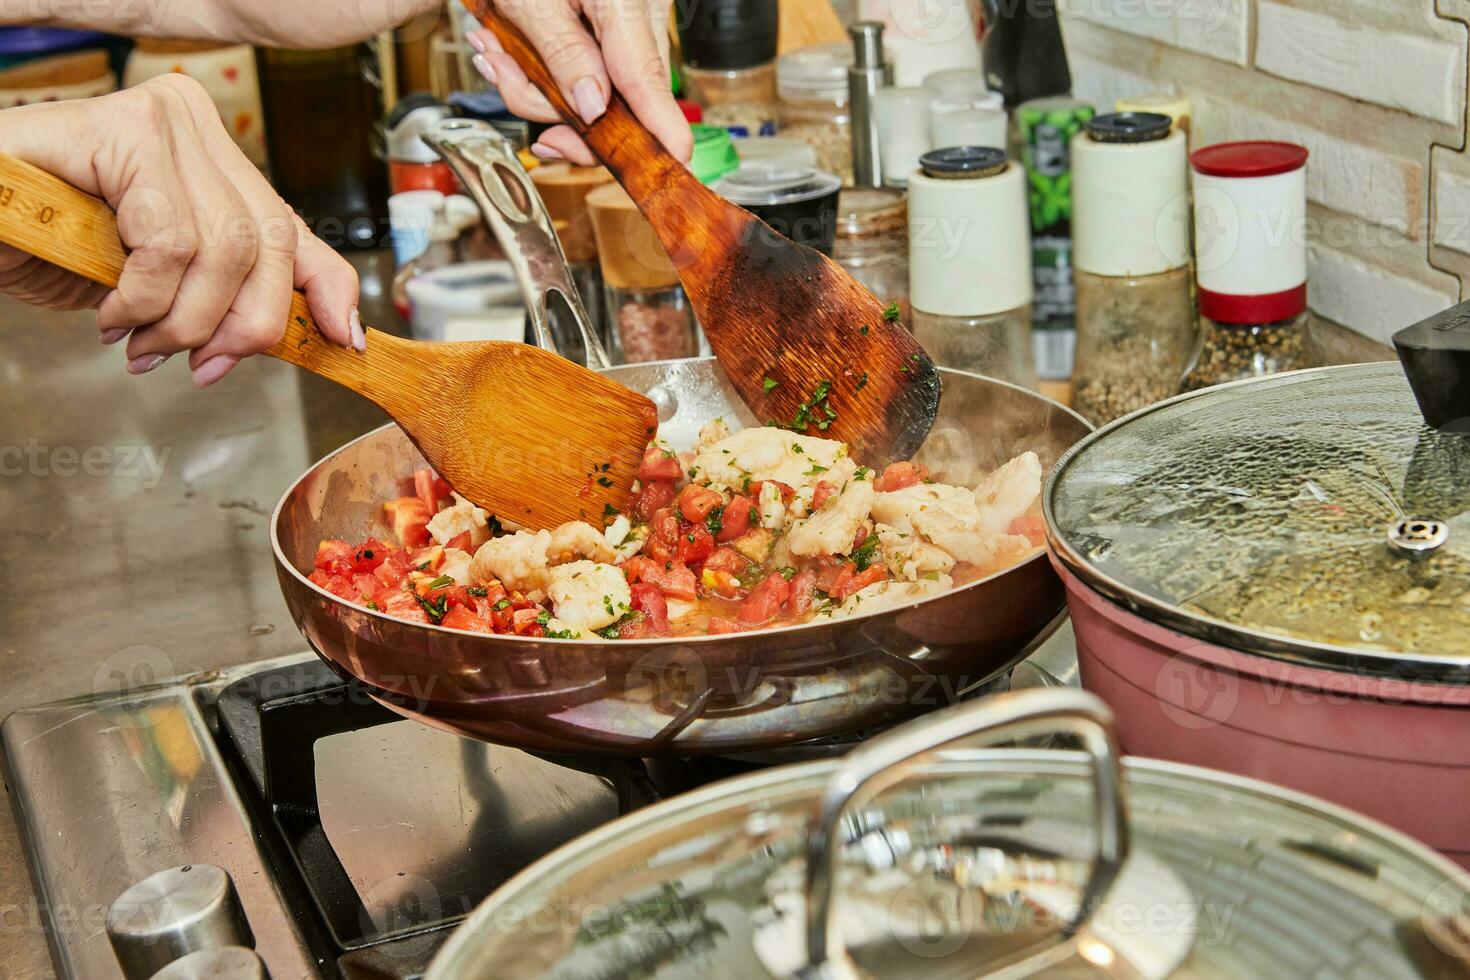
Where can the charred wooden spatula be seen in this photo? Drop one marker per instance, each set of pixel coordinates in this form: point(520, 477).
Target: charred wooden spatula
point(804, 344)
point(529, 436)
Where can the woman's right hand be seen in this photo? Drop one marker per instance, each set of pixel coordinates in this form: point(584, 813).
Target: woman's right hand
point(213, 250)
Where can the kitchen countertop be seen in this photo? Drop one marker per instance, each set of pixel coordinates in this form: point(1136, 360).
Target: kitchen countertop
point(133, 517)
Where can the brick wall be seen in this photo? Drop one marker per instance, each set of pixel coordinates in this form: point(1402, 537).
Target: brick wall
point(1376, 89)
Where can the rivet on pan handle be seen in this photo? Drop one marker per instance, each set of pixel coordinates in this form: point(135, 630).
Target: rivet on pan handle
point(483, 160)
point(884, 762)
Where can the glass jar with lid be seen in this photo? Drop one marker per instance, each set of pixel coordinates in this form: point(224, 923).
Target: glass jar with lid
point(812, 83)
point(873, 243)
point(1136, 330)
point(729, 49)
point(1250, 205)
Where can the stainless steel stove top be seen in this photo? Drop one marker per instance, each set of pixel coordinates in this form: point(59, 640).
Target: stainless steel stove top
point(409, 828)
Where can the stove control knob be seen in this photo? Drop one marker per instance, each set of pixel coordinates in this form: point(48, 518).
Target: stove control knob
point(224, 963)
point(172, 914)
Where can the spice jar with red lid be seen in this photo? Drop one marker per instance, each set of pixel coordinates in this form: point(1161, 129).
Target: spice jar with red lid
point(1250, 205)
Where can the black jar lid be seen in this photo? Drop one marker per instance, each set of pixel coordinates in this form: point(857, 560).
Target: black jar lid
point(727, 34)
point(963, 162)
point(1129, 127)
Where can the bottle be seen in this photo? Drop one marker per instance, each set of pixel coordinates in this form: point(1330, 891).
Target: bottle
point(729, 49)
point(799, 203)
point(903, 131)
point(1023, 52)
point(873, 242)
point(812, 82)
point(969, 267)
point(1136, 332)
point(1250, 202)
point(1044, 132)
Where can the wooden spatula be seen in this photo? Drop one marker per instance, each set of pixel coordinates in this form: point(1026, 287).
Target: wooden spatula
point(804, 344)
point(529, 436)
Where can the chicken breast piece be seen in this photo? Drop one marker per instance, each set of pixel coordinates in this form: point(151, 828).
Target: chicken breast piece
point(463, 516)
point(891, 595)
point(589, 595)
point(1008, 493)
point(830, 531)
point(768, 453)
point(578, 539)
point(517, 561)
point(908, 556)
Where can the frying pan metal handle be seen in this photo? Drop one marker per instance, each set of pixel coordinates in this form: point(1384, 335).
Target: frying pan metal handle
point(487, 165)
point(884, 762)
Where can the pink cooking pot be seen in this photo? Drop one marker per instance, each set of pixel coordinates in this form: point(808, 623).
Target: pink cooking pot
point(1272, 578)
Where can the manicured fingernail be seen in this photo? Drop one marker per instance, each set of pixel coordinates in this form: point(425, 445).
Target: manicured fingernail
point(475, 42)
point(483, 67)
point(114, 335)
point(359, 336)
point(589, 99)
point(213, 369)
point(146, 363)
point(546, 152)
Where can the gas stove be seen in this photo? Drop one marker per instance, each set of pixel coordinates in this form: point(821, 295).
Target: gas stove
point(354, 840)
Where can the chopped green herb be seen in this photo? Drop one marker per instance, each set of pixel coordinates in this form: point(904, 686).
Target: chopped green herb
point(543, 617)
point(604, 481)
point(503, 604)
point(862, 382)
point(770, 385)
point(435, 609)
point(891, 313)
point(715, 522)
point(863, 556)
point(441, 582)
point(493, 523)
point(861, 473)
point(744, 482)
point(864, 331)
point(787, 572)
point(612, 632)
point(689, 537)
point(815, 470)
point(797, 449)
point(425, 566)
point(755, 518)
point(607, 605)
point(372, 605)
point(567, 634)
point(478, 591)
point(668, 566)
point(608, 510)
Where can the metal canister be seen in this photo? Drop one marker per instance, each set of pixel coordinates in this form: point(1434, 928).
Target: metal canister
point(1044, 131)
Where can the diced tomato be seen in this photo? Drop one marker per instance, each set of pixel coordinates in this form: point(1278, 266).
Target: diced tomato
point(425, 488)
point(821, 493)
point(663, 536)
point(654, 496)
point(695, 544)
point(403, 605)
point(393, 571)
point(494, 592)
point(320, 577)
point(786, 492)
point(409, 517)
point(850, 582)
point(367, 585)
point(523, 621)
point(673, 578)
point(335, 557)
point(859, 537)
point(370, 554)
point(649, 600)
point(827, 570)
point(462, 541)
point(1030, 526)
point(727, 560)
point(696, 502)
point(803, 592)
point(659, 464)
point(896, 476)
point(427, 559)
point(461, 618)
point(719, 624)
point(738, 516)
point(765, 600)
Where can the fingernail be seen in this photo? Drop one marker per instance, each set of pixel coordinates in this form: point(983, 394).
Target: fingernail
point(114, 335)
point(483, 67)
point(146, 363)
point(546, 152)
point(213, 369)
point(359, 336)
point(475, 42)
point(589, 99)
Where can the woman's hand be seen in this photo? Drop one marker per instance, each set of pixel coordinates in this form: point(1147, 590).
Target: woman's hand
point(627, 50)
point(213, 250)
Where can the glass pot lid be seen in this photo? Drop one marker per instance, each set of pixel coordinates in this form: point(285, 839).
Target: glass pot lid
point(1311, 516)
point(949, 860)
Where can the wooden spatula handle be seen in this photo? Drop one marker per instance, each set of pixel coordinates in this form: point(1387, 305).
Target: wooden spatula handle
point(45, 216)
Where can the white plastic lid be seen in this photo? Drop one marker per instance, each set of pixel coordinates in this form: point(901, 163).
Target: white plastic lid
point(1130, 205)
point(818, 71)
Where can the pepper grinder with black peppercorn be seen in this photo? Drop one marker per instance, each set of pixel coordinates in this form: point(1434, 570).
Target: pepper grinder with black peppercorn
point(1250, 204)
point(1136, 331)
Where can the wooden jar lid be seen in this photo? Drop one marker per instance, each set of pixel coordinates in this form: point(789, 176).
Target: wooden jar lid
point(564, 187)
point(627, 247)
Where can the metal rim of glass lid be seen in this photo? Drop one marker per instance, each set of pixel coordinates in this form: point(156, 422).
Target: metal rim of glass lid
point(1311, 517)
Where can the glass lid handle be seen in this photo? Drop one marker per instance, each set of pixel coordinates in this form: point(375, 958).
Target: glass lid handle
point(888, 759)
point(1435, 354)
